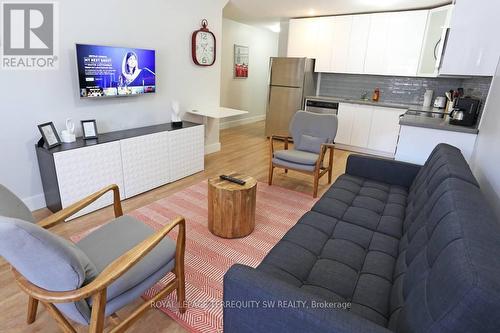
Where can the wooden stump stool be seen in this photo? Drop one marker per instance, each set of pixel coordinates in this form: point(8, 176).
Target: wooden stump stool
point(231, 207)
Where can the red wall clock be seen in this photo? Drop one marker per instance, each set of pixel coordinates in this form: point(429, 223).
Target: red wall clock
point(203, 46)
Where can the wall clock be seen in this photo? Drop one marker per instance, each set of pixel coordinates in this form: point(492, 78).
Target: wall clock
point(203, 46)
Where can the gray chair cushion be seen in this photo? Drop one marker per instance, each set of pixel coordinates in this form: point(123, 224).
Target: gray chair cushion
point(290, 165)
point(310, 143)
point(47, 261)
point(297, 156)
point(313, 124)
point(112, 240)
point(12, 206)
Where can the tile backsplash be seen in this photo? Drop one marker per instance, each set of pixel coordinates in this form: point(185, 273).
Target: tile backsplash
point(398, 89)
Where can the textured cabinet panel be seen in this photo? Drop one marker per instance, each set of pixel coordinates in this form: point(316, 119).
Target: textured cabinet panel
point(81, 172)
point(145, 162)
point(186, 150)
point(384, 130)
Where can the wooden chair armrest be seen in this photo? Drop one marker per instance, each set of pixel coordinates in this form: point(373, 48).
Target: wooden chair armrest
point(324, 148)
point(112, 272)
point(278, 137)
point(77, 206)
point(328, 145)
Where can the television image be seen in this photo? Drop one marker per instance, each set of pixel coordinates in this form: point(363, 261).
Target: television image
point(106, 71)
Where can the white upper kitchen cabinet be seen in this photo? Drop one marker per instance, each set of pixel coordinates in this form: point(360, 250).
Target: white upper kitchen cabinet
point(358, 43)
point(384, 130)
point(375, 62)
point(394, 43)
point(323, 40)
point(340, 46)
point(435, 33)
point(472, 46)
point(404, 42)
point(302, 35)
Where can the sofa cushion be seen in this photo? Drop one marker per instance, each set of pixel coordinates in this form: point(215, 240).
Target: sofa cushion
point(345, 248)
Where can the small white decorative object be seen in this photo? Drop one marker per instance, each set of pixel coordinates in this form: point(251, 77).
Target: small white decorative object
point(68, 135)
point(176, 114)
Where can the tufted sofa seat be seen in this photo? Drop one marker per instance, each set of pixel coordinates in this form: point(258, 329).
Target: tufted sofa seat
point(408, 248)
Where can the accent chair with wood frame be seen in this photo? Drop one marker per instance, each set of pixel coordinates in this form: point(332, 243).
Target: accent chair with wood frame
point(94, 278)
point(313, 134)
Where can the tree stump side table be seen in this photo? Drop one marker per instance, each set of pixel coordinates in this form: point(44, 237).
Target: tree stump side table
point(231, 207)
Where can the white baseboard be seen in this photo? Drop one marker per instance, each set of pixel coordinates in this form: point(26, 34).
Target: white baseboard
point(35, 202)
point(212, 148)
point(243, 121)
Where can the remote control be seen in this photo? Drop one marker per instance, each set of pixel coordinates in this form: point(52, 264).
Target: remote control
point(233, 180)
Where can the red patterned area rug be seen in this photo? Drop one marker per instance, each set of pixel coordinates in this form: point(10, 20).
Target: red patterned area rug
point(208, 257)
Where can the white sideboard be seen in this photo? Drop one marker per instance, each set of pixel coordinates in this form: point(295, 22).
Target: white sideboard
point(137, 160)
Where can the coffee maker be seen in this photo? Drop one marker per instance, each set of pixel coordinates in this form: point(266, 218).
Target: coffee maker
point(465, 111)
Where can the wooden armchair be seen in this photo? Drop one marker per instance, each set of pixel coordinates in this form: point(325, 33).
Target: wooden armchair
point(93, 279)
point(313, 135)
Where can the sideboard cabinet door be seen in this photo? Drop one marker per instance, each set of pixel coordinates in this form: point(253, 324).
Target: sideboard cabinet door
point(83, 171)
point(186, 150)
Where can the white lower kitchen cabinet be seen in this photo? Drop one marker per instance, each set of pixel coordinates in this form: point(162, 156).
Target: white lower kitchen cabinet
point(416, 143)
point(360, 135)
point(384, 130)
point(346, 118)
point(368, 129)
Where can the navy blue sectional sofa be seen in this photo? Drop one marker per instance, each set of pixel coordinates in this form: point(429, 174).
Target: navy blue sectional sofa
point(390, 247)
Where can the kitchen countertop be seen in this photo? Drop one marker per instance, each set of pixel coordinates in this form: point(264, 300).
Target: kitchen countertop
point(406, 119)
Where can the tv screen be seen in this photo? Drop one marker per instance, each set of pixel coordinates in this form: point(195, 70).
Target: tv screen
point(115, 71)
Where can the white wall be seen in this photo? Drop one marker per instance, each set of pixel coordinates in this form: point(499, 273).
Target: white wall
point(33, 97)
point(248, 94)
point(283, 38)
point(486, 157)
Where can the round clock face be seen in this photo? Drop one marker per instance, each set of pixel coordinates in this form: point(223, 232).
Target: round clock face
point(205, 48)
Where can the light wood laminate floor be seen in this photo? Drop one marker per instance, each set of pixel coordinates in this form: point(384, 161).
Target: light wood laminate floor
point(245, 149)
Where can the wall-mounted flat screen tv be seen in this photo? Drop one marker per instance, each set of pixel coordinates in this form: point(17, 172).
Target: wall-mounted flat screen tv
point(105, 71)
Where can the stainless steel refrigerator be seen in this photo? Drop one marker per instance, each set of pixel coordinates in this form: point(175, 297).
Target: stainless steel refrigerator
point(291, 80)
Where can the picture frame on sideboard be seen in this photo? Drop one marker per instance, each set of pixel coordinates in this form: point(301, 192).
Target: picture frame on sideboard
point(89, 129)
point(49, 134)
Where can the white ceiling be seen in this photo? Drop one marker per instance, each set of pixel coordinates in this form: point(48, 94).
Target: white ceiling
point(267, 12)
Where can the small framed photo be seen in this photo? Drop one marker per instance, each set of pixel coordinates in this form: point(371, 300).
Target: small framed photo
point(89, 128)
point(49, 134)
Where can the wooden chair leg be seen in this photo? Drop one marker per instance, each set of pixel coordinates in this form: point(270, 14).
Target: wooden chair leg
point(330, 167)
point(61, 321)
point(316, 183)
point(181, 287)
point(98, 308)
point(271, 170)
point(32, 307)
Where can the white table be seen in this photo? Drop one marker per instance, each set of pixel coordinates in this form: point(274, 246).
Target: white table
point(218, 112)
point(211, 117)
